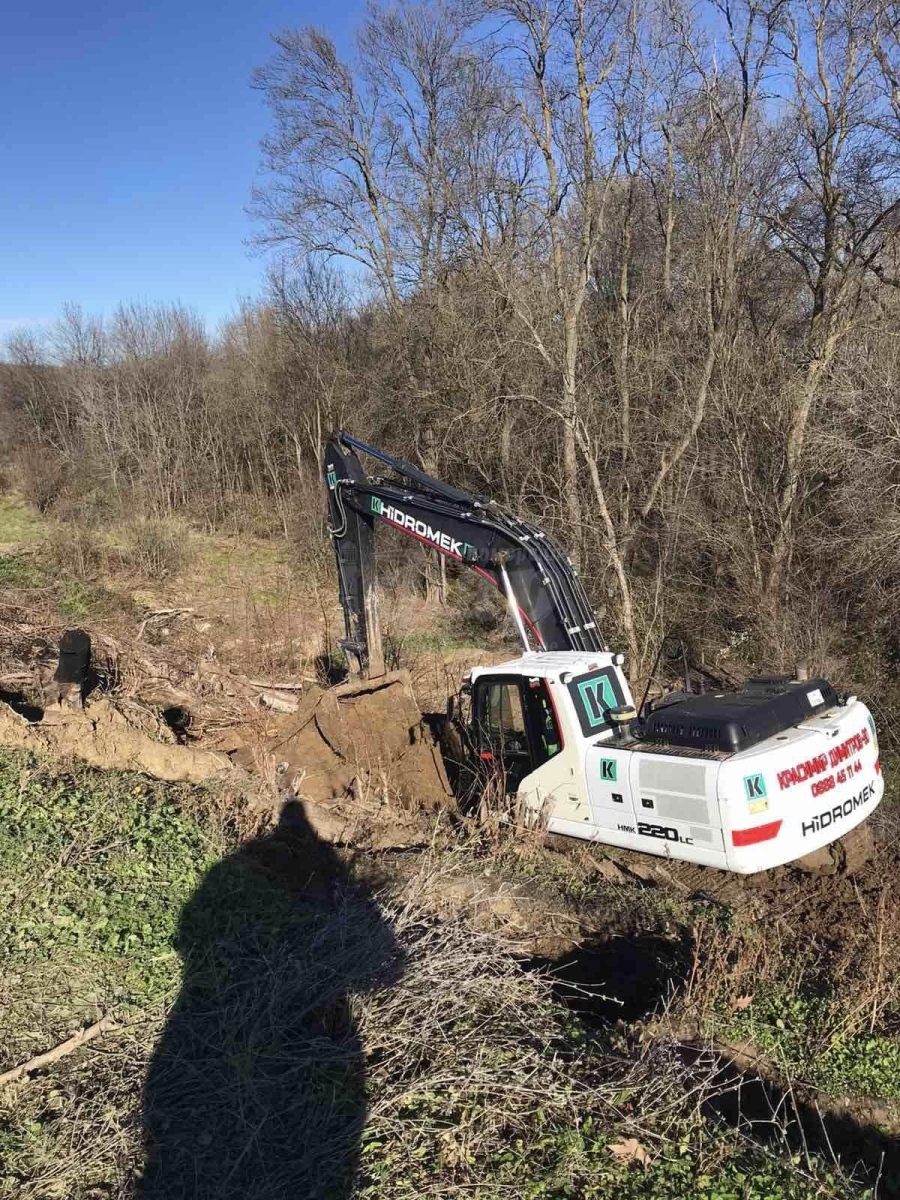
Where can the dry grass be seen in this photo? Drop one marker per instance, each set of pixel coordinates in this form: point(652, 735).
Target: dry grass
point(157, 547)
point(414, 1054)
point(284, 1030)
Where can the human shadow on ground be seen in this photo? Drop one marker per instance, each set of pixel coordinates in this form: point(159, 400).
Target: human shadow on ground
point(257, 1086)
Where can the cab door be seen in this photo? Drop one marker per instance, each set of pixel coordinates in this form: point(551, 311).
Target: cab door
point(499, 729)
point(514, 726)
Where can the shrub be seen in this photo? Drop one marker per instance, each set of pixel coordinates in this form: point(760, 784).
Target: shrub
point(75, 551)
point(43, 475)
point(158, 547)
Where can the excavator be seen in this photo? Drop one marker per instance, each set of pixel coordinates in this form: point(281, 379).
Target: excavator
point(743, 781)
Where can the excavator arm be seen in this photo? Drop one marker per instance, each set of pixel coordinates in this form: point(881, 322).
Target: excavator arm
point(546, 598)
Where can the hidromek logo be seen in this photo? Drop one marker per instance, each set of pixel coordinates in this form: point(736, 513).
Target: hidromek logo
point(822, 820)
point(396, 516)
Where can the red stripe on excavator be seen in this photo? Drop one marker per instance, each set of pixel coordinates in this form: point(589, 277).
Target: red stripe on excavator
point(448, 554)
point(759, 833)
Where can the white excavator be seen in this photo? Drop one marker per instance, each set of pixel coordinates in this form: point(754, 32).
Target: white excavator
point(742, 781)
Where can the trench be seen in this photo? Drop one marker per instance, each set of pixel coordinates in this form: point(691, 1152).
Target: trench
point(618, 981)
point(620, 978)
point(793, 1119)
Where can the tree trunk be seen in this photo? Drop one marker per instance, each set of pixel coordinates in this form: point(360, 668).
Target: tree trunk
point(616, 560)
point(571, 497)
point(435, 578)
point(793, 460)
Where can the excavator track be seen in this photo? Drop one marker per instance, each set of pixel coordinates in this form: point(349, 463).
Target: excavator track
point(847, 858)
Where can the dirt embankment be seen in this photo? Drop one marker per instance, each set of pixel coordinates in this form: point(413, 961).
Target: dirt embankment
point(357, 755)
point(103, 736)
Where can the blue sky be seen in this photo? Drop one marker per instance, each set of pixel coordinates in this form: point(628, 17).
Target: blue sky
point(129, 138)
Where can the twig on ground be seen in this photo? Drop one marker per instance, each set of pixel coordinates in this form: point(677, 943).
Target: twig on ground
point(51, 1056)
point(282, 704)
point(287, 686)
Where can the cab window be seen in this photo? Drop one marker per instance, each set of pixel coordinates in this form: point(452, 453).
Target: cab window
point(548, 740)
point(515, 725)
point(504, 720)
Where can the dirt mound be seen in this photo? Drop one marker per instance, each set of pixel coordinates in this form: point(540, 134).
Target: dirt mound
point(361, 740)
point(170, 709)
point(358, 756)
point(103, 736)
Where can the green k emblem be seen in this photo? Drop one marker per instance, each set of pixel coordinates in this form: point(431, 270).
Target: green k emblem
point(608, 770)
point(598, 698)
point(754, 787)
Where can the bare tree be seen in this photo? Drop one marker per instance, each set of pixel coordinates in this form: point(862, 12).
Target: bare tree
point(631, 266)
point(836, 208)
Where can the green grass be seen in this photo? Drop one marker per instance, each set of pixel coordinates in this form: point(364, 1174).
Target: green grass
point(19, 523)
point(270, 599)
point(581, 1163)
point(76, 599)
point(79, 599)
point(95, 869)
point(793, 1029)
point(221, 561)
point(20, 572)
point(439, 642)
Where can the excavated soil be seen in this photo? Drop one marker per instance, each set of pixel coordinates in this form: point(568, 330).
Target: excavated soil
point(821, 891)
point(356, 739)
point(357, 756)
point(104, 736)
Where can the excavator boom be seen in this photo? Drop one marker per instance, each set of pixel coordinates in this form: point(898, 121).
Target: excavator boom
point(547, 600)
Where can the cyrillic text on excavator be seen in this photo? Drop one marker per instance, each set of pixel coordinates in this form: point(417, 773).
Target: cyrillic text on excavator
point(821, 762)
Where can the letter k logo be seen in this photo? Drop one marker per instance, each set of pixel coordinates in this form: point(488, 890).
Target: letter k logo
point(755, 787)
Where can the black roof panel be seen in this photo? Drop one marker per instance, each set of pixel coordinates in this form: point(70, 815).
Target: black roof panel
point(735, 722)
